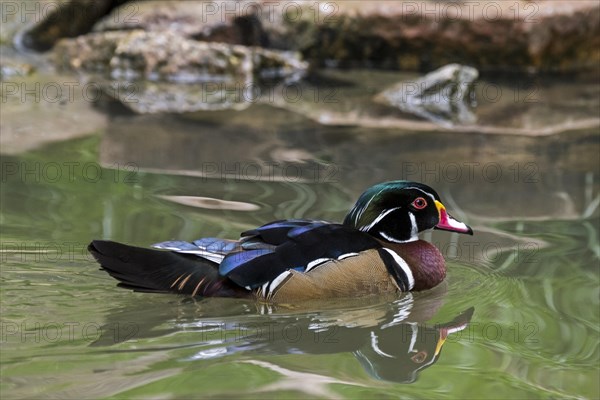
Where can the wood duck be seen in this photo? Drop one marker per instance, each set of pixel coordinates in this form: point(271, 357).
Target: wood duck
point(375, 250)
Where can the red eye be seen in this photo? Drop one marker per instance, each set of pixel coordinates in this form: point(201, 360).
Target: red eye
point(419, 203)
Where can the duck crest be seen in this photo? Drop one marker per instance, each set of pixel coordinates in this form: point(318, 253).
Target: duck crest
point(395, 211)
point(425, 261)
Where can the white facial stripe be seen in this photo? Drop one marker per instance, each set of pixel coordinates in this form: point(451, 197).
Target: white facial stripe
point(359, 213)
point(413, 338)
point(402, 264)
point(394, 240)
point(362, 210)
point(414, 231)
point(379, 218)
point(375, 346)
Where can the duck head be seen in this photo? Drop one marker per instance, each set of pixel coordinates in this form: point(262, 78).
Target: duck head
point(398, 211)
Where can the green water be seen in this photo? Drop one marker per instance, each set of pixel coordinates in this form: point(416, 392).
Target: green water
point(529, 275)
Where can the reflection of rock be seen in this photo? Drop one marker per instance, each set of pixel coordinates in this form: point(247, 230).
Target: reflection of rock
point(43, 109)
point(146, 97)
point(522, 106)
point(238, 151)
point(438, 96)
point(531, 177)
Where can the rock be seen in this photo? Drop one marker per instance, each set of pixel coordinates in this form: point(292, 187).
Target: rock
point(226, 21)
point(540, 36)
point(60, 20)
point(168, 57)
point(440, 96)
point(522, 36)
point(154, 71)
point(545, 35)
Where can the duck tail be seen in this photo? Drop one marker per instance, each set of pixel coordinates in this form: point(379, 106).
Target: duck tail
point(147, 270)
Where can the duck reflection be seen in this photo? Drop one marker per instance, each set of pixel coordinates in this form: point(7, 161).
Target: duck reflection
point(397, 353)
point(394, 351)
point(392, 341)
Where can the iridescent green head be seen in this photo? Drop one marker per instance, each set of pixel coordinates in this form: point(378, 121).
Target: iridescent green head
point(397, 211)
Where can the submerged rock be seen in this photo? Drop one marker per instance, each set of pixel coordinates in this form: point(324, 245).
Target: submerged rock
point(440, 96)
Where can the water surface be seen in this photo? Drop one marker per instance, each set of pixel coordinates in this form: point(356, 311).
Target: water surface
point(520, 304)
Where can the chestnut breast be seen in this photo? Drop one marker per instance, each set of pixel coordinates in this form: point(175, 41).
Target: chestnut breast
point(425, 261)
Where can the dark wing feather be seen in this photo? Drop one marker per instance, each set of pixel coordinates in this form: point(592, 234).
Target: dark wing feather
point(276, 232)
point(297, 250)
point(149, 270)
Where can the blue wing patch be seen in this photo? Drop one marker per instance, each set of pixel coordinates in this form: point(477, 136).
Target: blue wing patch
point(302, 229)
point(276, 232)
point(234, 260)
point(287, 223)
